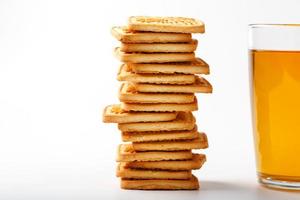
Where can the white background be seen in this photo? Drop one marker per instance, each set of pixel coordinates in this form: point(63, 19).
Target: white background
point(57, 73)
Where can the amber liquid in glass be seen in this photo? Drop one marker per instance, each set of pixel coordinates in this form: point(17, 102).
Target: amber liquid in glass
point(276, 113)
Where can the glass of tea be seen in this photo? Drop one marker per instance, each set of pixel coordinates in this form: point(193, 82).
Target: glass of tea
point(274, 52)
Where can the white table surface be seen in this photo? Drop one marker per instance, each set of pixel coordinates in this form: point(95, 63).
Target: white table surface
point(83, 167)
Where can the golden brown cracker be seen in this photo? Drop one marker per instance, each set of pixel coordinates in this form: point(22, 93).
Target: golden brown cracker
point(185, 47)
point(126, 153)
point(128, 94)
point(159, 135)
point(178, 145)
point(160, 107)
point(173, 165)
point(201, 85)
point(125, 74)
point(131, 184)
point(183, 121)
point(124, 35)
point(115, 114)
point(197, 66)
point(166, 24)
point(153, 57)
point(151, 174)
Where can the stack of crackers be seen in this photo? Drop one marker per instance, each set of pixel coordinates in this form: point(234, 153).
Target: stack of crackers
point(160, 75)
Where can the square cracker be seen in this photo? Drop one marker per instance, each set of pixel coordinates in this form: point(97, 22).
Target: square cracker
point(160, 107)
point(161, 184)
point(183, 121)
point(197, 66)
point(184, 47)
point(115, 114)
point(153, 57)
point(124, 35)
point(178, 145)
point(159, 135)
point(126, 153)
point(125, 74)
point(166, 24)
point(129, 95)
point(173, 165)
point(151, 174)
point(201, 85)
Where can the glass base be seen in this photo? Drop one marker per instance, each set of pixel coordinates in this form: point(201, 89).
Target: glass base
point(279, 182)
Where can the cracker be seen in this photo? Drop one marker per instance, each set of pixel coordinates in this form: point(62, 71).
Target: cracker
point(159, 47)
point(190, 184)
point(151, 174)
point(201, 85)
point(159, 135)
point(183, 121)
point(165, 24)
point(124, 35)
point(125, 74)
point(197, 66)
point(153, 57)
point(129, 95)
point(115, 114)
point(126, 153)
point(179, 145)
point(173, 165)
point(160, 107)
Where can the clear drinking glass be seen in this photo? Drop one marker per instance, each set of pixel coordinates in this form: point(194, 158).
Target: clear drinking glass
point(274, 52)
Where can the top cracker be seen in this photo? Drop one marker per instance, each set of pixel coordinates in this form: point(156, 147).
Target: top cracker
point(165, 24)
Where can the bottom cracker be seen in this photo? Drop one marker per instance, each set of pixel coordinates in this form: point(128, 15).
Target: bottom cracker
point(162, 184)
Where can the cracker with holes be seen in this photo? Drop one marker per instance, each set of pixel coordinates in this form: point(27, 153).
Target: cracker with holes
point(166, 24)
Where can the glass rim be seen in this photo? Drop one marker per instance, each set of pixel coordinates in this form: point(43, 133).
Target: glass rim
point(269, 25)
